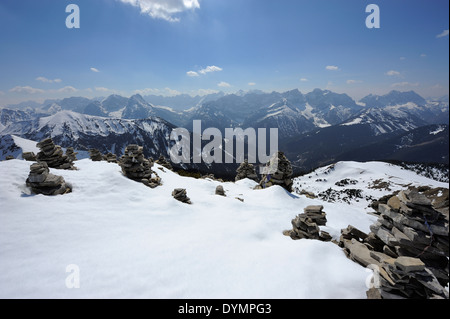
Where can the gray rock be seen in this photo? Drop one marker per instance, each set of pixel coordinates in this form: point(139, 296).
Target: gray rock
point(220, 191)
point(409, 264)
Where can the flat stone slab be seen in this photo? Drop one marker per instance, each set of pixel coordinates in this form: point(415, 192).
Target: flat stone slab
point(409, 264)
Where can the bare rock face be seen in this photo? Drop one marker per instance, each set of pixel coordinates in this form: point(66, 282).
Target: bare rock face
point(136, 167)
point(180, 194)
point(409, 244)
point(42, 182)
point(246, 170)
point(280, 172)
point(53, 155)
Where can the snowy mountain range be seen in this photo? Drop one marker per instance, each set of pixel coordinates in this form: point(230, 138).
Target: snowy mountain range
point(314, 128)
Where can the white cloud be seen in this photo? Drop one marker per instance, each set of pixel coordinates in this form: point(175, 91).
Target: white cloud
point(423, 55)
point(26, 89)
point(66, 89)
point(203, 92)
point(404, 84)
point(152, 91)
point(224, 84)
point(210, 69)
point(402, 58)
point(443, 34)
point(102, 89)
point(332, 68)
point(304, 80)
point(95, 70)
point(353, 81)
point(164, 9)
point(45, 80)
point(192, 74)
point(252, 83)
point(393, 73)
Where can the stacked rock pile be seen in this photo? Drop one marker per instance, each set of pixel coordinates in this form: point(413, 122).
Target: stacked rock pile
point(42, 182)
point(246, 170)
point(71, 154)
point(95, 155)
point(53, 155)
point(29, 156)
point(164, 163)
point(136, 167)
point(110, 158)
point(306, 225)
point(279, 172)
point(180, 194)
point(411, 229)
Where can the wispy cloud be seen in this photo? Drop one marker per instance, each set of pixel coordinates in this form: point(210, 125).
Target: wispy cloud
point(404, 84)
point(210, 69)
point(423, 55)
point(26, 89)
point(153, 91)
point(353, 81)
point(192, 74)
point(304, 80)
point(443, 34)
point(402, 58)
point(251, 83)
point(102, 89)
point(164, 9)
point(203, 92)
point(224, 85)
point(95, 70)
point(66, 89)
point(332, 68)
point(45, 80)
point(393, 73)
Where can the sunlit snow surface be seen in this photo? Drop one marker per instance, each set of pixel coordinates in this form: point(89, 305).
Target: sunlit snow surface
point(130, 241)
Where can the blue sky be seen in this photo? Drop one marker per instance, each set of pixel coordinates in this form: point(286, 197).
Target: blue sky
point(199, 46)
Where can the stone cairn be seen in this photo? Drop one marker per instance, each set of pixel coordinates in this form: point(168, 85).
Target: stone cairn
point(42, 182)
point(220, 191)
point(306, 225)
point(180, 194)
point(246, 170)
point(280, 173)
point(71, 154)
point(409, 245)
point(95, 155)
point(164, 163)
point(110, 158)
point(29, 156)
point(53, 155)
point(136, 167)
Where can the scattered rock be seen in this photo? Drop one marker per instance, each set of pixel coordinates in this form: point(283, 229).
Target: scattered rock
point(220, 191)
point(246, 170)
point(180, 194)
point(164, 163)
point(42, 182)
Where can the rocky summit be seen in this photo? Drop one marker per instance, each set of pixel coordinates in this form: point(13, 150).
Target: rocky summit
point(53, 155)
point(42, 182)
point(409, 245)
point(136, 167)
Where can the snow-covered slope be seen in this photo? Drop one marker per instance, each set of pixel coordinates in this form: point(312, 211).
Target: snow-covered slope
point(130, 241)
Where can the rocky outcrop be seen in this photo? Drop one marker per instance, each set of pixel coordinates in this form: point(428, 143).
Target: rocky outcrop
point(136, 167)
point(246, 170)
point(306, 225)
point(409, 244)
point(279, 172)
point(180, 194)
point(42, 182)
point(53, 155)
point(164, 163)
